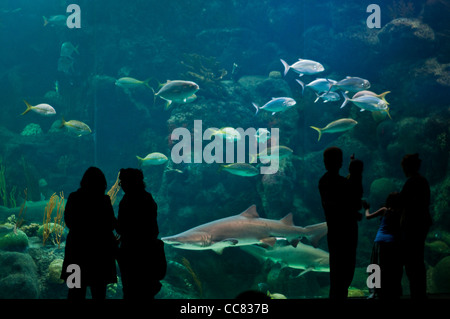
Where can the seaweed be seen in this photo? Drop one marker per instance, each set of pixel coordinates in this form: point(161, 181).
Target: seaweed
point(197, 281)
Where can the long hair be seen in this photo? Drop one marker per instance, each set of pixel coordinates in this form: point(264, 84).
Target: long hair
point(93, 180)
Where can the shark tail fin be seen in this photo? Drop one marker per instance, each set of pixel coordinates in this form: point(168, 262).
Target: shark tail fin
point(316, 232)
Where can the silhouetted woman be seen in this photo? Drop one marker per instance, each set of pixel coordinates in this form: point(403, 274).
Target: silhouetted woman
point(415, 223)
point(141, 258)
point(90, 243)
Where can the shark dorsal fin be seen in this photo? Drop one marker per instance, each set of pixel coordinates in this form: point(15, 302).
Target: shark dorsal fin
point(287, 220)
point(250, 212)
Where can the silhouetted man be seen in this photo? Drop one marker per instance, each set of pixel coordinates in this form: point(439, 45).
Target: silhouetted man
point(414, 225)
point(342, 224)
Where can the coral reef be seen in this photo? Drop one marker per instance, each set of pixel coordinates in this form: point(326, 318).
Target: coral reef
point(32, 129)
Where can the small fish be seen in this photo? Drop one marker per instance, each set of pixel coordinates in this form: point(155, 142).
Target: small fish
point(262, 135)
point(321, 85)
point(340, 125)
point(369, 103)
point(380, 96)
point(131, 83)
point(240, 169)
point(275, 105)
point(177, 91)
point(152, 159)
point(228, 133)
point(326, 97)
point(67, 49)
point(351, 84)
point(77, 127)
point(43, 109)
point(270, 153)
point(303, 67)
point(56, 20)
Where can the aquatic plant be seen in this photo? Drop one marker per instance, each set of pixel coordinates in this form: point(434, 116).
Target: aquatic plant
point(22, 211)
point(112, 193)
point(57, 227)
point(197, 281)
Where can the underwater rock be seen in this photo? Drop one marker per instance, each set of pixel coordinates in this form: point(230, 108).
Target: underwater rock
point(405, 38)
point(379, 190)
point(32, 129)
point(54, 271)
point(18, 276)
point(441, 275)
point(14, 241)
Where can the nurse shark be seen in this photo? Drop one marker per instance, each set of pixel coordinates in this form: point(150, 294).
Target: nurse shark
point(301, 257)
point(243, 229)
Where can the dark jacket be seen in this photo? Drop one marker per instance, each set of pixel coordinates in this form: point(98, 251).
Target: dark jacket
point(90, 242)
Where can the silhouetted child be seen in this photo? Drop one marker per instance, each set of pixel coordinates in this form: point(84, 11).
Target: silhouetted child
point(386, 247)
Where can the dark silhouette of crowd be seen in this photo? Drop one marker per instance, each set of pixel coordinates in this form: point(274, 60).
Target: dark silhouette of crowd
point(400, 240)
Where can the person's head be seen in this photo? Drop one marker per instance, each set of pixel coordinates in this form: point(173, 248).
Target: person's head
point(411, 164)
point(93, 180)
point(356, 167)
point(393, 201)
point(332, 158)
point(131, 179)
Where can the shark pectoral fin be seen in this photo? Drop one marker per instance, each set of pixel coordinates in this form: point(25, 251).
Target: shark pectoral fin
point(221, 245)
point(294, 242)
point(269, 241)
point(307, 270)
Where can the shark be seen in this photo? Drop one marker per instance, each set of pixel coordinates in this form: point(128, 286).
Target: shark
point(246, 228)
point(303, 256)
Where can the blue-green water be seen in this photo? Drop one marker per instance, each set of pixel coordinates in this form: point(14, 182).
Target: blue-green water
point(232, 50)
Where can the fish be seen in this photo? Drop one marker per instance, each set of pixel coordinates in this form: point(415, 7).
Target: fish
point(176, 91)
point(67, 49)
point(321, 85)
point(152, 159)
point(277, 104)
point(228, 133)
point(272, 153)
point(326, 97)
point(243, 229)
point(240, 169)
point(77, 127)
point(56, 20)
point(131, 83)
point(369, 103)
point(43, 109)
point(351, 84)
point(262, 135)
point(337, 126)
point(303, 256)
point(380, 96)
point(303, 66)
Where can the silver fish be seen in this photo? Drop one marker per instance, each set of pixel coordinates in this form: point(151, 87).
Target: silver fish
point(303, 66)
point(275, 105)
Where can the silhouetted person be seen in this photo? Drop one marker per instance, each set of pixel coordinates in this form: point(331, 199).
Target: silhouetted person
point(141, 254)
point(415, 224)
point(386, 247)
point(355, 188)
point(342, 224)
point(90, 242)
